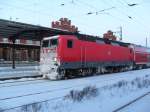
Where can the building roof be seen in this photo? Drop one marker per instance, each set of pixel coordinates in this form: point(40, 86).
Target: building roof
point(14, 30)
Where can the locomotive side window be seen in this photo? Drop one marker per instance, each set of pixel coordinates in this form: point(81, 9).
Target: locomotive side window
point(69, 43)
point(53, 42)
point(45, 43)
point(130, 50)
point(100, 42)
point(114, 44)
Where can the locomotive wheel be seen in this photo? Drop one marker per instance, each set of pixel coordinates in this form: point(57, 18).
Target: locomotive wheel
point(61, 73)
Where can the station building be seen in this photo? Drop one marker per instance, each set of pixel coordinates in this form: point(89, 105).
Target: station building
point(26, 48)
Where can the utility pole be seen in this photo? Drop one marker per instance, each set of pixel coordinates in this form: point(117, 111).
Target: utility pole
point(146, 41)
point(120, 33)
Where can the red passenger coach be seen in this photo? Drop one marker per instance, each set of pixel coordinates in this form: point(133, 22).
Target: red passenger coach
point(141, 56)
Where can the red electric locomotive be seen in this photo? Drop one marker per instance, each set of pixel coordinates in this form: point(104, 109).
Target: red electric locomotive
point(69, 55)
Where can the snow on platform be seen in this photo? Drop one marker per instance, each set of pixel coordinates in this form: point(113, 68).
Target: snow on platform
point(8, 72)
point(114, 90)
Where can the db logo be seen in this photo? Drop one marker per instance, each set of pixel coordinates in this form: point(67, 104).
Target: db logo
point(109, 52)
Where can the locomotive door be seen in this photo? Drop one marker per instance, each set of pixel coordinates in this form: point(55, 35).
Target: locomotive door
point(83, 56)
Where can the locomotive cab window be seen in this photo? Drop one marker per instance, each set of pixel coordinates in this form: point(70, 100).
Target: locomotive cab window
point(70, 44)
point(53, 42)
point(45, 43)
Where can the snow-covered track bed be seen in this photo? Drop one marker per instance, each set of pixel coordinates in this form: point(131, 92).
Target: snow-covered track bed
point(20, 82)
point(132, 102)
point(20, 77)
point(14, 97)
point(7, 73)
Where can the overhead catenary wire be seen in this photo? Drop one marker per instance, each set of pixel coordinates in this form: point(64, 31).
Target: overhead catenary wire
point(139, 19)
point(47, 14)
point(133, 19)
point(130, 4)
point(82, 23)
point(120, 10)
point(85, 4)
point(73, 1)
point(96, 11)
point(100, 11)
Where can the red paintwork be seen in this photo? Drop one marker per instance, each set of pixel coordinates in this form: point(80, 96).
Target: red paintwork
point(86, 51)
point(142, 55)
point(91, 51)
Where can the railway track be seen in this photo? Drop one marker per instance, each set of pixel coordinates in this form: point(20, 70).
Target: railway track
point(17, 78)
point(54, 89)
point(131, 102)
point(21, 82)
point(36, 76)
point(47, 92)
point(116, 110)
point(24, 82)
point(11, 80)
point(29, 81)
point(50, 90)
point(36, 81)
point(7, 73)
point(60, 97)
point(20, 77)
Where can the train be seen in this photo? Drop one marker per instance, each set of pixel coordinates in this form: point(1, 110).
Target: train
point(67, 56)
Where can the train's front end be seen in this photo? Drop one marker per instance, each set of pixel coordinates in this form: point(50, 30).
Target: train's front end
point(49, 61)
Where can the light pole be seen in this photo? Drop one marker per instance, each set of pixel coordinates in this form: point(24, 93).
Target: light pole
point(146, 41)
point(119, 32)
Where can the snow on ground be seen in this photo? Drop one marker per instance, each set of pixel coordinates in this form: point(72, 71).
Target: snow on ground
point(142, 105)
point(6, 72)
point(107, 93)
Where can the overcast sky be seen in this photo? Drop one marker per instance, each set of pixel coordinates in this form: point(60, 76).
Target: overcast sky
point(135, 20)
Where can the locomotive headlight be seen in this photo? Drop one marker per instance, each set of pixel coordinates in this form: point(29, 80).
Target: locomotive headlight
point(58, 62)
point(41, 59)
point(55, 59)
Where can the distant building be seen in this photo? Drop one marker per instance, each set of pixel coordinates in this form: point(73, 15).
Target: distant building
point(27, 50)
point(64, 24)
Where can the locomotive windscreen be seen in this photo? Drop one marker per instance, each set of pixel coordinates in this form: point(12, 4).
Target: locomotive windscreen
point(53, 42)
point(45, 43)
point(49, 43)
